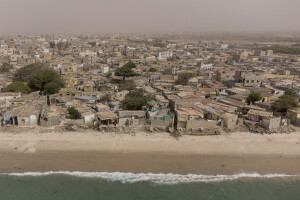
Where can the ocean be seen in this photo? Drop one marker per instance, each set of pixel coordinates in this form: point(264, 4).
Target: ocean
point(130, 186)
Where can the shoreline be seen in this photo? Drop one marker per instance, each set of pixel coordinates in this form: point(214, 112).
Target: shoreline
point(150, 153)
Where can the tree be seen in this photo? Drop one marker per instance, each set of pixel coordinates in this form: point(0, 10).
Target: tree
point(17, 86)
point(152, 69)
point(93, 44)
point(183, 78)
point(52, 88)
point(285, 102)
point(74, 114)
point(126, 70)
point(135, 100)
point(253, 97)
point(47, 81)
point(25, 74)
point(290, 92)
point(63, 46)
point(108, 75)
point(127, 85)
point(6, 67)
point(130, 65)
point(106, 97)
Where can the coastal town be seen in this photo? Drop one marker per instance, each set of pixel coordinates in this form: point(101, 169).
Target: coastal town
point(148, 83)
point(149, 100)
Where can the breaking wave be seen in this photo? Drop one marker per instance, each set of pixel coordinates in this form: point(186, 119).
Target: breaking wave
point(154, 178)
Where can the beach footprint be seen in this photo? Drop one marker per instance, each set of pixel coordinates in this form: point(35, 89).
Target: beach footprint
point(27, 147)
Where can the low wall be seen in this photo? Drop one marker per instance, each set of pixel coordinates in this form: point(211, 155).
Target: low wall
point(196, 124)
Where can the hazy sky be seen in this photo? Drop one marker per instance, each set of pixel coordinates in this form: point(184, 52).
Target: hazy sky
point(107, 16)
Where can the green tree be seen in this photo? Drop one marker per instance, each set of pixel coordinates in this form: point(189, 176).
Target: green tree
point(106, 97)
point(290, 92)
point(52, 87)
point(25, 74)
point(127, 85)
point(126, 70)
point(17, 86)
point(130, 65)
point(47, 81)
point(93, 44)
point(285, 102)
point(253, 97)
point(283, 49)
point(183, 78)
point(108, 75)
point(152, 70)
point(135, 100)
point(5, 67)
point(60, 46)
point(74, 114)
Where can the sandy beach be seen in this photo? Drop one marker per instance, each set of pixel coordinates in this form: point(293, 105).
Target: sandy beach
point(157, 153)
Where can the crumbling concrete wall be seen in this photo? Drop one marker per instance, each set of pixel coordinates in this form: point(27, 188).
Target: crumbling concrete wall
point(271, 123)
point(230, 122)
point(196, 124)
point(89, 118)
point(294, 117)
point(27, 121)
point(23, 121)
point(166, 123)
point(181, 124)
point(123, 121)
point(130, 121)
point(52, 121)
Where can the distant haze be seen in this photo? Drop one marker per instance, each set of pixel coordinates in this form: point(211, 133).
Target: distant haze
point(130, 16)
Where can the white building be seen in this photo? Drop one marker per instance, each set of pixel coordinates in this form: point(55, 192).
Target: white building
point(206, 66)
point(224, 46)
point(88, 53)
point(105, 69)
point(171, 46)
point(165, 55)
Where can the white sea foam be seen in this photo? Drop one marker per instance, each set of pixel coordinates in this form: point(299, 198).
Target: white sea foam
point(154, 178)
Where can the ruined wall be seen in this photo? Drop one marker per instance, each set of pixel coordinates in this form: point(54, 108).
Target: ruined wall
point(27, 121)
point(23, 121)
point(181, 124)
point(196, 124)
point(231, 122)
point(89, 118)
point(53, 121)
point(293, 116)
point(123, 121)
point(166, 123)
point(128, 113)
point(130, 122)
point(271, 124)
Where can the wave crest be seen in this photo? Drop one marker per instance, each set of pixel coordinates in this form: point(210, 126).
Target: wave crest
point(151, 177)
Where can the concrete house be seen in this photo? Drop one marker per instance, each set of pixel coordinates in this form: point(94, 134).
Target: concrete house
point(160, 118)
point(258, 115)
point(132, 117)
point(52, 116)
point(271, 123)
point(191, 118)
point(294, 116)
point(107, 118)
point(22, 116)
point(6, 96)
point(248, 79)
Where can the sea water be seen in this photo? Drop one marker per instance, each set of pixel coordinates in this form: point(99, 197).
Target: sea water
point(146, 186)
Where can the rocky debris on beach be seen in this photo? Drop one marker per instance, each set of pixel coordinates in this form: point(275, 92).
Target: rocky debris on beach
point(281, 130)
